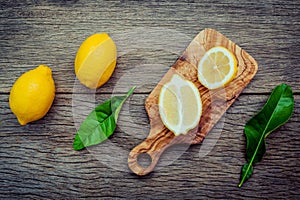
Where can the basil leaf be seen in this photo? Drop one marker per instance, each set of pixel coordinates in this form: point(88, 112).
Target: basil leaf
point(100, 123)
point(275, 113)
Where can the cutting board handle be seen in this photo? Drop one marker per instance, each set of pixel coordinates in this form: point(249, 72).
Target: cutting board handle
point(154, 145)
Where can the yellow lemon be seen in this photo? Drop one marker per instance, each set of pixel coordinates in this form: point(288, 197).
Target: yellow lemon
point(217, 68)
point(180, 105)
point(95, 60)
point(32, 94)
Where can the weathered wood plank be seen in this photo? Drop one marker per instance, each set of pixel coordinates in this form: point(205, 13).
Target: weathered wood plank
point(50, 33)
point(37, 160)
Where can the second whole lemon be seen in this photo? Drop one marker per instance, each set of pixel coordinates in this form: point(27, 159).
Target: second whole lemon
point(96, 60)
point(32, 94)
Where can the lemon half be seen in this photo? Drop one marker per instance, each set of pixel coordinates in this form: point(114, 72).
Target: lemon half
point(180, 105)
point(217, 68)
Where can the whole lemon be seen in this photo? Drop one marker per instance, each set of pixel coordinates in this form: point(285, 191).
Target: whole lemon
point(95, 60)
point(32, 94)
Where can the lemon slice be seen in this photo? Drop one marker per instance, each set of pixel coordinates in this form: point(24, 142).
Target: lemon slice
point(217, 68)
point(180, 105)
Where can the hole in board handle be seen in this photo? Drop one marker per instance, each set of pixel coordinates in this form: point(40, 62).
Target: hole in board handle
point(144, 160)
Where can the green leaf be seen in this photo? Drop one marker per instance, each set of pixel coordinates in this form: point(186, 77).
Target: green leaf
point(247, 171)
point(100, 123)
point(275, 113)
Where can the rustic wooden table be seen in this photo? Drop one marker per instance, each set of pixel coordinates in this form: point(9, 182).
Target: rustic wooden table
point(37, 160)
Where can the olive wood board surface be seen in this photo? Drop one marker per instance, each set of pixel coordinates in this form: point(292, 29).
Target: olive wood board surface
point(214, 102)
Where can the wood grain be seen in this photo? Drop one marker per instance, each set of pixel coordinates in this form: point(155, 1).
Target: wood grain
point(37, 160)
point(51, 32)
point(214, 102)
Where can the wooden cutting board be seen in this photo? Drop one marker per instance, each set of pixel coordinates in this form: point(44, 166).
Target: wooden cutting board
point(214, 102)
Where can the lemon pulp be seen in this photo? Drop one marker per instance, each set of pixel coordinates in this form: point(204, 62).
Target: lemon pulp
point(217, 68)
